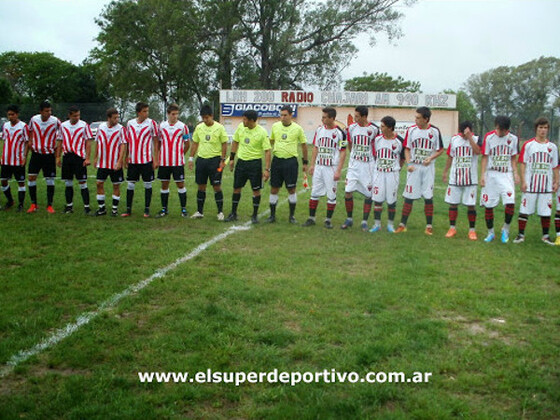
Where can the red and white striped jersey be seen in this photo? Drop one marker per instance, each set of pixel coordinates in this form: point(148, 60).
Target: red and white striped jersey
point(45, 134)
point(15, 139)
point(464, 167)
point(361, 140)
point(172, 140)
point(139, 139)
point(388, 153)
point(499, 151)
point(539, 159)
point(75, 136)
point(109, 141)
point(422, 143)
point(329, 142)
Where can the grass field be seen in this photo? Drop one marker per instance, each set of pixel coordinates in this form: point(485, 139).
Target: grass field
point(483, 318)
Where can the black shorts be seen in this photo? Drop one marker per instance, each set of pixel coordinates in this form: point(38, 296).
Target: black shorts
point(18, 172)
point(165, 172)
point(135, 170)
point(284, 171)
point(117, 176)
point(42, 162)
point(207, 169)
point(73, 165)
point(248, 170)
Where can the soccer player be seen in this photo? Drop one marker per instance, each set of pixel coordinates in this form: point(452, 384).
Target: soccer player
point(44, 132)
point(109, 155)
point(462, 158)
point(327, 160)
point(539, 179)
point(173, 144)
point(75, 145)
point(498, 173)
point(210, 145)
point(361, 165)
point(285, 136)
point(389, 157)
point(141, 138)
point(423, 145)
point(251, 140)
point(15, 134)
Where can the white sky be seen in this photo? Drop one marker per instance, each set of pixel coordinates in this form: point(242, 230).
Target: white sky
point(443, 42)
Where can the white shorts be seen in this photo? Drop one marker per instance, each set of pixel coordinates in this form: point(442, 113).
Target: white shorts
point(323, 182)
point(385, 187)
point(420, 183)
point(542, 202)
point(498, 184)
point(461, 195)
point(360, 177)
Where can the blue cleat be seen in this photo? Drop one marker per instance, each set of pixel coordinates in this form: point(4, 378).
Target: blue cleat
point(375, 228)
point(505, 236)
point(390, 229)
point(490, 237)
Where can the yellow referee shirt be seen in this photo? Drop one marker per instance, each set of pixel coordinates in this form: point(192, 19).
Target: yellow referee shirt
point(252, 142)
point(210, 139)
point(286, 139)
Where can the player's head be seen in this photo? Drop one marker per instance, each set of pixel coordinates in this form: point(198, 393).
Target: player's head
point(423, 115)
point(329, 116)
point(250, 118)
point(388, 124)
point(207, 114)
point(464, 126)
point(502, 125)
point(361, 114)
point(286, 114)
point(74, 114)
point(112, 116)
point(142, 110)
point(542, 125)
point(45, 109)
point(12, 112)
point(173, 113)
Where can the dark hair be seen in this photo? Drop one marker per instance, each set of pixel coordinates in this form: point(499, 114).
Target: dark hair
point(172, 107)
point(425, 112)
point(542, 121)
point(111, 112)
point(206, 110)
point(464, 125)
point(502, 122)
point(251, 115)
point(287, 108)
point(14, 108)
point(330, 111)
point(44, 104)
point(362, 110)
point(141, 106)
point(72, 109)
point(389, 122)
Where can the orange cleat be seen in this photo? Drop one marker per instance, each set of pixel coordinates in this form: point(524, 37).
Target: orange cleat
point(472, 235)
point(450, 233)
point(33, 208)
point(429, 231)
point(50, 210)
point(400, 229)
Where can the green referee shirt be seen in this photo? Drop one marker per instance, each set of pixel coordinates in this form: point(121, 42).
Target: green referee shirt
point(252, 142)
point(210, 139)
point(286, 139)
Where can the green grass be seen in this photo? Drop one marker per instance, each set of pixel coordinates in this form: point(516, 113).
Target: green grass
point(483, 318)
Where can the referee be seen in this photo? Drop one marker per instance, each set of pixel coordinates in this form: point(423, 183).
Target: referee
point(285, 137)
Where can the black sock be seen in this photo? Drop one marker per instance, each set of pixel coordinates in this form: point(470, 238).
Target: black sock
point(115, 204)
point(183, 199)
point(164, 200)
point(69, 194)
point(33, 193)
point(21, 197)
point(235, 202)
point(219, 197)
point(292, 209)
point(50, 195)
point(256, 204)
point(407, 209)
point(147, 197)
point(272, 210)
point(200, 198)
point(85, 196)
point(129, 199)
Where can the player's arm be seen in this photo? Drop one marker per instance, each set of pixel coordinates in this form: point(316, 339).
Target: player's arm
point(475, 146)
point(516, 176)
point(305, 154)
point(483, 165)
point(224, 154)
point(234, 147)
point(87, 160)
point(120, 162)
point(313, 160)
point(407, 159)
point(267, 158)
point(31, 137)
point(96, 154)
point(194, 149)
point(342, 159)
point(58, 152)
point(155, 163)
point(446, 169)
point(556, 178)
point(521, 176)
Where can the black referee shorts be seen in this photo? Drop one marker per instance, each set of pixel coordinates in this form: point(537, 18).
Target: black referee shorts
point(207, 169)
point(248, 170)
point(73, 166)
point(135, 170)
point(165, 172)
point(284, 171)
point(42, 162)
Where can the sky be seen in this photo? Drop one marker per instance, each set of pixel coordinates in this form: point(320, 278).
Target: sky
point(443, 41)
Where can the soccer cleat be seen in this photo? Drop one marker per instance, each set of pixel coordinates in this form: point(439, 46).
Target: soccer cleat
point(50, 210)
point(198, 215)
point(505, 236)
point(547, 240)
point(146, 215)
point(231, 218)
point(557, 242)
point(254, 220)
point(127, 214)
point(293, 220)
point(364, 226)
point(309, 222)
point(100, 212)
point(347, 223)
point(184, 213)
point(68, 210)
point(375, 228)
point(271, 219)
point(490, 237)
point(114, 213)
point(401, 229)
point(390, 229)
point(472, 235)
point(519, 239)
point(87, 210)
point(9, 205)
point(220, 216)
point(451, 232)
point(328, 224)
point(20, 208)
point(33, 208)
point(162, 213)
point(429, 231)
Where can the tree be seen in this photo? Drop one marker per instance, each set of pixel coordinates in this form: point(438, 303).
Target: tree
point(467, 111)
point(6, 93)
point(381, 82)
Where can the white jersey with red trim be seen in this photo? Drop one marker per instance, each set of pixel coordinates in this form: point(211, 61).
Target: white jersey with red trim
point(75, 136)
point(329, 142)
point(361, 140)
point(109, 141)
point(499, 151)
point(539, 159)
point(172, 140)
point(422, 143)
point(388, 154)
point(15, 139)
point(464, 167)
point(45, 134)
point(139, 139)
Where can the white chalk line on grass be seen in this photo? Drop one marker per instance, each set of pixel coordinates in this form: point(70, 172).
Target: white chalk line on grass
point(84, 318)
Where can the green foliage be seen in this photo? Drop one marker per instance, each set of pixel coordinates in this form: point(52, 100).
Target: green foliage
point(6, 92)
point(467, 111)
point(381, 82)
